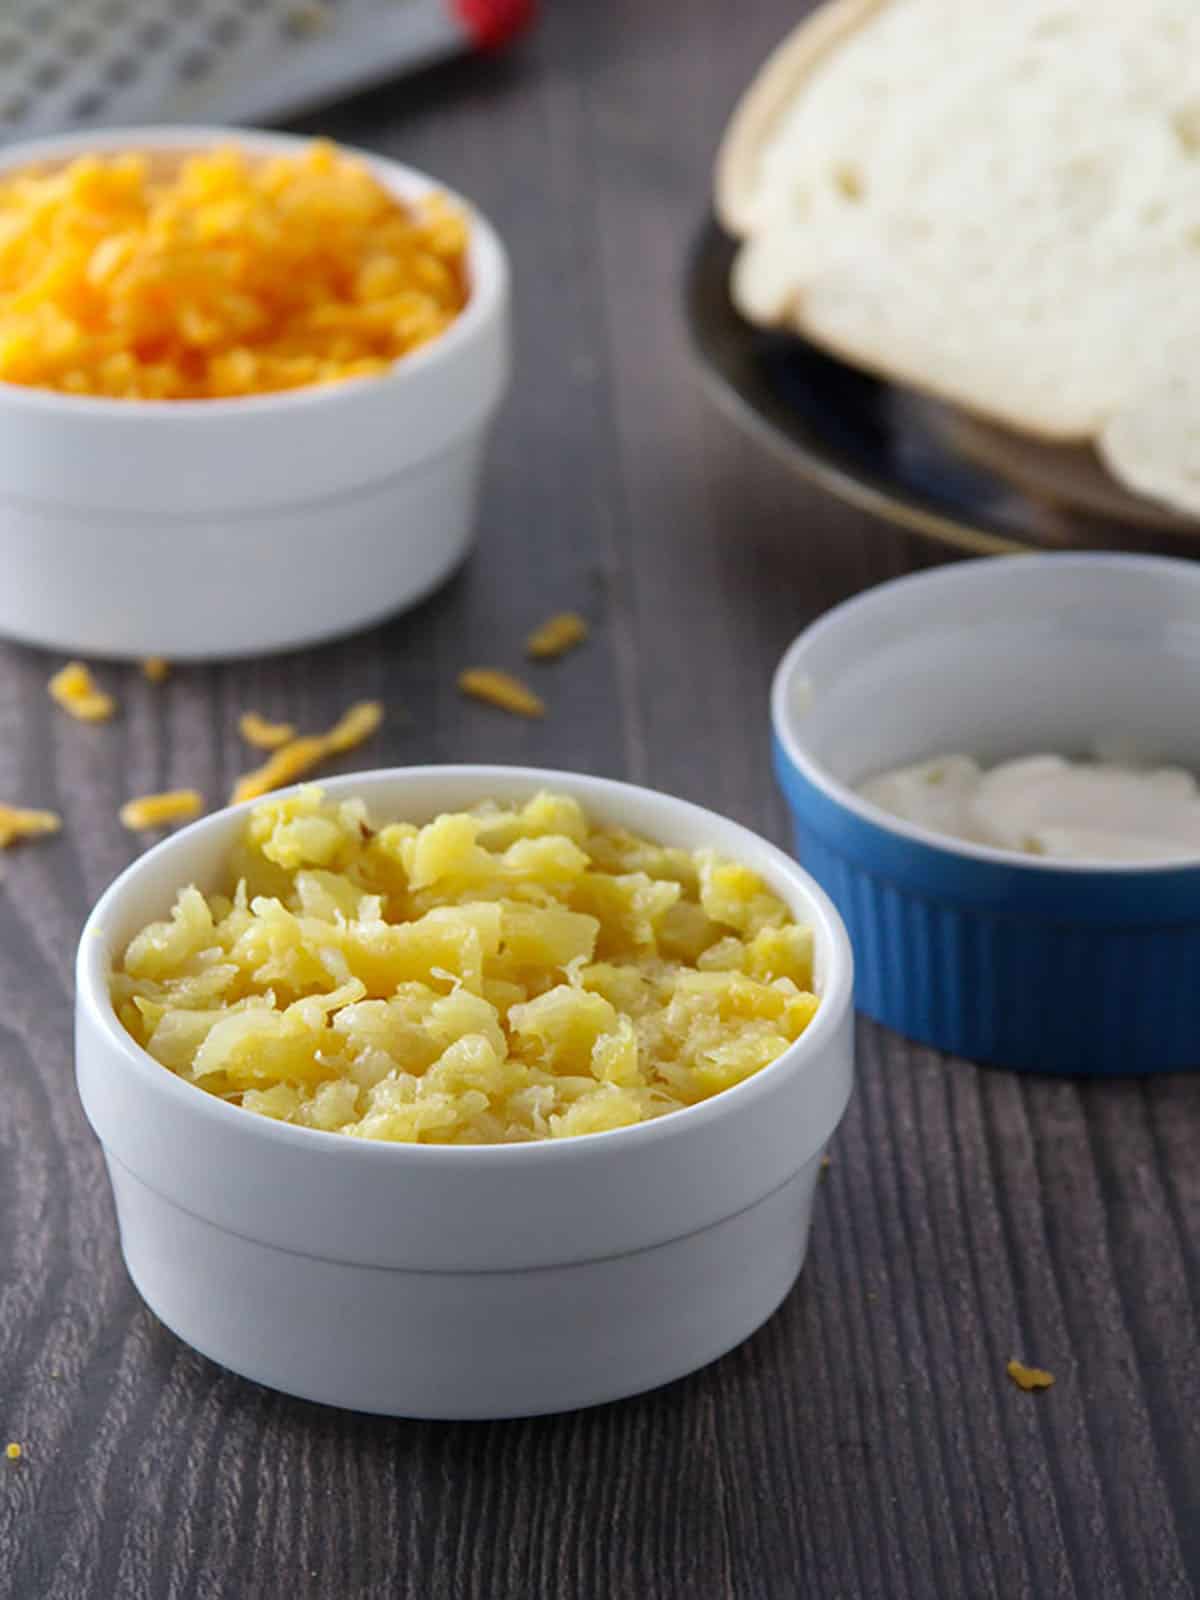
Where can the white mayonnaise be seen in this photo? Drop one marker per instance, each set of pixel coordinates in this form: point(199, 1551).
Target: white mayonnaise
point(1045, 805)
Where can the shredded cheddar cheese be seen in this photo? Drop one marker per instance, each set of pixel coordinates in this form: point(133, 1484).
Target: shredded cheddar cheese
point(264, 735)
point(305, 20)
point(74, 689)
point(299, 756)
point(17, 822)
point(155, 669)
point(218, 274)
point(354, 727)
point(1028, 1377)
point(291, 760)
point(556, 636)
point(159, 810)
point(501, 689)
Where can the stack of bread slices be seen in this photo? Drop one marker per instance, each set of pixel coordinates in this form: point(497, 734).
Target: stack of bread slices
point(996, 202)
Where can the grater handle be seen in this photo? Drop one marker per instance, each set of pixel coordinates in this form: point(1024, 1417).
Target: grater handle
point(493, 23)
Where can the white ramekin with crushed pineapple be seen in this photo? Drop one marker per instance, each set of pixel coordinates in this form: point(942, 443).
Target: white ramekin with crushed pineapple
point(452, 1112)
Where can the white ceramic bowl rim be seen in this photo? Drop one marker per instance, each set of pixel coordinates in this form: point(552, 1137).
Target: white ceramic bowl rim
point(951, 578)
point(836, 991)
point(489, 273)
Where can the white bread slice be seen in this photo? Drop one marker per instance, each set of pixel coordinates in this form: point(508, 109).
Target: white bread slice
point(995, 201)
point(1152, 442)
point(779, 79)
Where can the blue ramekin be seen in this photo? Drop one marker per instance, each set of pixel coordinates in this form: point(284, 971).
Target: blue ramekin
point(1020, 961)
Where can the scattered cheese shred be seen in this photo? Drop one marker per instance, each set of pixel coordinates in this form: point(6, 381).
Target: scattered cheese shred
point(305, 20)
point(74, 689)
point(156, 669)
point(159, 810)
point(18, 823)
point(556, 636)
point(290, 761)
point(1028, 1377)
point(13, 1451)
point(503, 690)
point(298, 756)
point(354, 727)
point(264, 735)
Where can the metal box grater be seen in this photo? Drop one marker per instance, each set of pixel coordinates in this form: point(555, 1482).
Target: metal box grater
point(68, 64)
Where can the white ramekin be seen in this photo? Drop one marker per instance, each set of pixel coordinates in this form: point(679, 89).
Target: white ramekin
point(462, 1282)
point(1025, 961)
point(209, 528)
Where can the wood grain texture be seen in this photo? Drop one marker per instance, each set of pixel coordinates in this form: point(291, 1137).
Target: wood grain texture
point(866, 1442)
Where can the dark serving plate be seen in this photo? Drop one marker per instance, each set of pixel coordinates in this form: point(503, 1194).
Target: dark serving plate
point(917, 463)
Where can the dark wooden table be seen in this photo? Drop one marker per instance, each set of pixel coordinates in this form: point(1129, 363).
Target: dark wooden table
point(866, 1443)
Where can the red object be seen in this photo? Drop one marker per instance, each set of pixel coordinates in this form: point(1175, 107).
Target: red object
point(492, 23)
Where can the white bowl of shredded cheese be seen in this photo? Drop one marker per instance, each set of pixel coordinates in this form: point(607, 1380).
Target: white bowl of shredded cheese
point(236, 523)
point(448, 1279)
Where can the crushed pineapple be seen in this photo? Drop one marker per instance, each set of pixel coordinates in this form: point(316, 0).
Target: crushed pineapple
point(219, 274)
point(499, 975)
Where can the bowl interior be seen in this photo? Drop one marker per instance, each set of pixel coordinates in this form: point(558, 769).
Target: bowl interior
point(998, 659)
